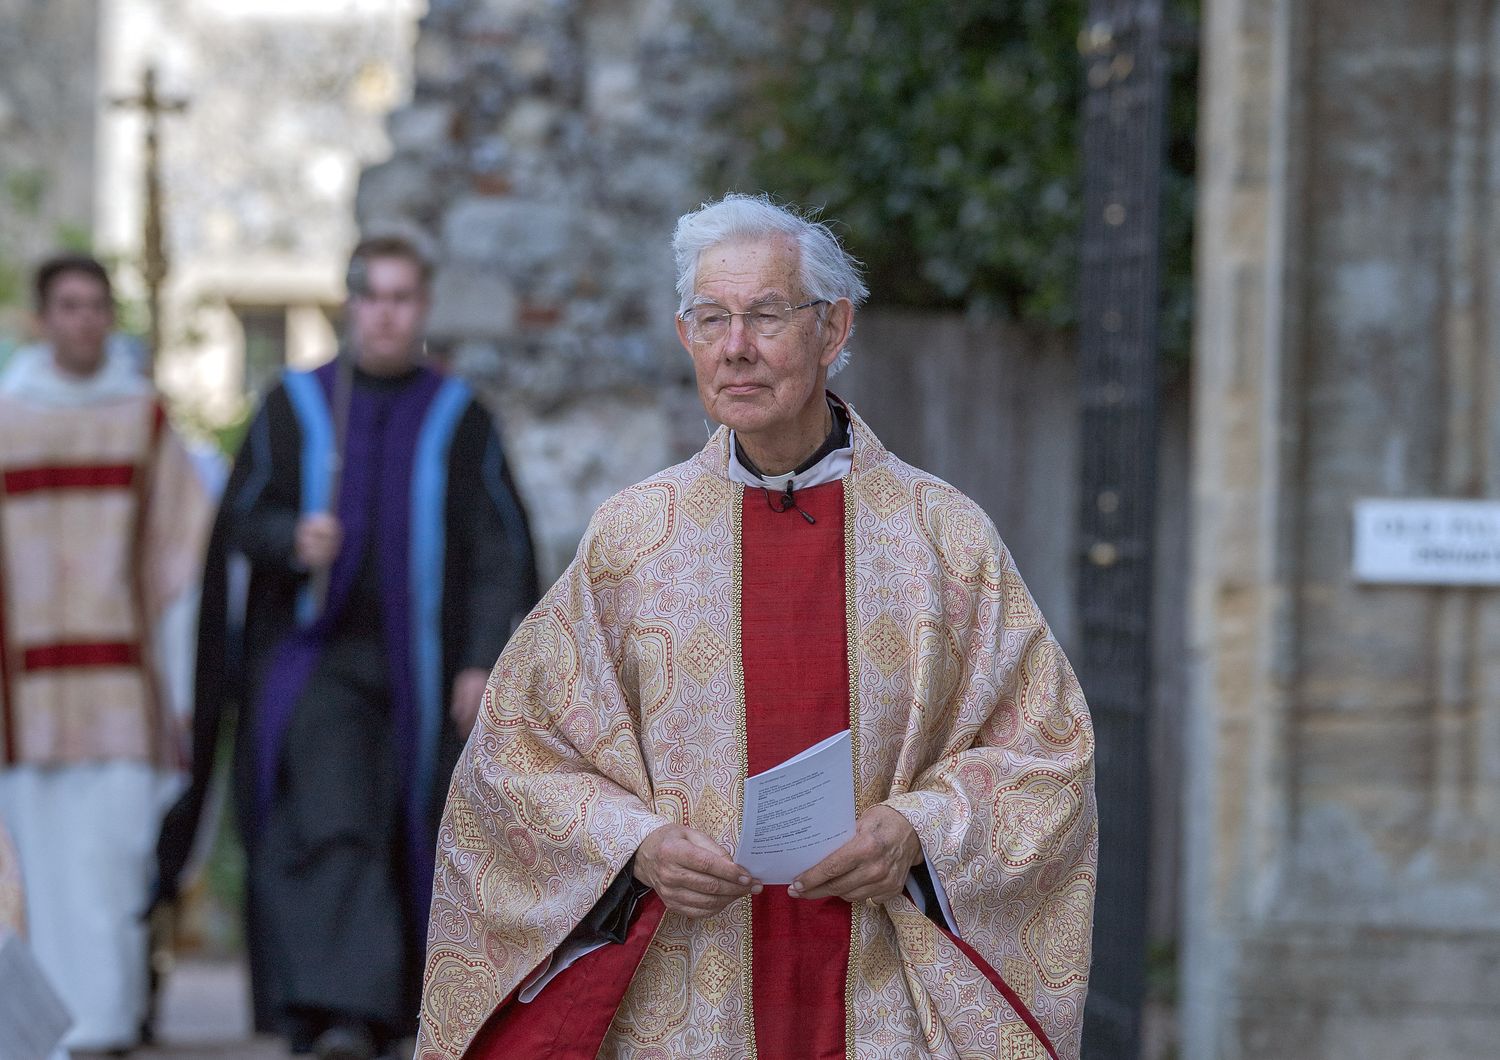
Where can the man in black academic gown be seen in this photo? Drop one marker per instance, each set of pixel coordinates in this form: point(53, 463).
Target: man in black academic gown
point(389, 559)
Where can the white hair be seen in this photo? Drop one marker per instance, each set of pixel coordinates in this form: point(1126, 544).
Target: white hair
point(826, 270)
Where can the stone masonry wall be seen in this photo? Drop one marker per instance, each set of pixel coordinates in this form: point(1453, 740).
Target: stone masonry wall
point(547, 152)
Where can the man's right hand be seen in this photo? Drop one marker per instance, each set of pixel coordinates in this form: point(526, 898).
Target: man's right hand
point(690, 872)
point(318, 538)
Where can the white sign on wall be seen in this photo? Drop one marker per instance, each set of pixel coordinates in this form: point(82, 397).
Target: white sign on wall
point(1427, 542)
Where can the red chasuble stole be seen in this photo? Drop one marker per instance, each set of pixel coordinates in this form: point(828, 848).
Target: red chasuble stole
point(795, 647)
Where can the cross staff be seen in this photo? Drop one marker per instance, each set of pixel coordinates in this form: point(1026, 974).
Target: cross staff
point(161, 920)
point(154, 263)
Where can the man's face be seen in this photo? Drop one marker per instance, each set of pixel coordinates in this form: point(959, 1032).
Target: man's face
point(755, 385)
point(387, 317)
point(75, 321)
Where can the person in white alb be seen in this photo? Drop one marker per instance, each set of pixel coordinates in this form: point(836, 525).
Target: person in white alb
point(102, 522)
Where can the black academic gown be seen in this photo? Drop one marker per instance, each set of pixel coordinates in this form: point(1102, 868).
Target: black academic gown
point(340, 766)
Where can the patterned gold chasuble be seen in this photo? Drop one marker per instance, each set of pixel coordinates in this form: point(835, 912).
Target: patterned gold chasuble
point(619, 706)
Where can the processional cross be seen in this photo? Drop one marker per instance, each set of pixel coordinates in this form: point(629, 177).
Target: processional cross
point(154, 262)
point(154, 267)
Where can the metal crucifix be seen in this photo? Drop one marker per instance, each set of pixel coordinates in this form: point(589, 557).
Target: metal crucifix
point(154, 260)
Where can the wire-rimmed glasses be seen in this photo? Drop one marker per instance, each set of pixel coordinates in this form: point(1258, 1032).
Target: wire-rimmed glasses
point(710, 322)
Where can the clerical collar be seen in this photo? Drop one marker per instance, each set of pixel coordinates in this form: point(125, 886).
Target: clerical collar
point(830, 463)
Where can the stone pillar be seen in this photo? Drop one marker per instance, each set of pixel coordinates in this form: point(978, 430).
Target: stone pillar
point(1343, 740)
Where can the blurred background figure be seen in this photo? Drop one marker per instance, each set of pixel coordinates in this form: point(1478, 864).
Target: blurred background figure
point(102, 518)
point(390, 559)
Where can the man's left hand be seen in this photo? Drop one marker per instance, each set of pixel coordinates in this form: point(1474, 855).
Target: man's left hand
point(468, 696)
point(872, 866)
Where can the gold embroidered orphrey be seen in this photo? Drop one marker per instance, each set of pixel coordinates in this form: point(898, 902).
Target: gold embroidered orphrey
point(613, 711)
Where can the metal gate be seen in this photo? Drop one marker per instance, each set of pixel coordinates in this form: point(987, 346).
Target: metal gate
point(1120, 293)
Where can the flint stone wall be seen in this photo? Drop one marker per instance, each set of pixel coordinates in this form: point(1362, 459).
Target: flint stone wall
point(546, 153)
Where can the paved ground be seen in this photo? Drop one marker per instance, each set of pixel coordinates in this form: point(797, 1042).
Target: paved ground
point(205, 1015)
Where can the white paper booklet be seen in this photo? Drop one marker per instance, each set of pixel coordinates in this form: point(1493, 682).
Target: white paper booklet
point(32, 1018)
point(799, 812)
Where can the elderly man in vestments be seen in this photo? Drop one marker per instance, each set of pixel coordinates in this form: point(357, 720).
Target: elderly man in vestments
point(389, 560)
point(102, 520)
point(792, 580)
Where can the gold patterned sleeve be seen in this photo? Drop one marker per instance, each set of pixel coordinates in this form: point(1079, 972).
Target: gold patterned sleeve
point(549, 801)
point(1006, 811)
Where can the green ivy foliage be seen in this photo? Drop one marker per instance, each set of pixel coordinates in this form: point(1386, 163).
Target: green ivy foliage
point(946, 138)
